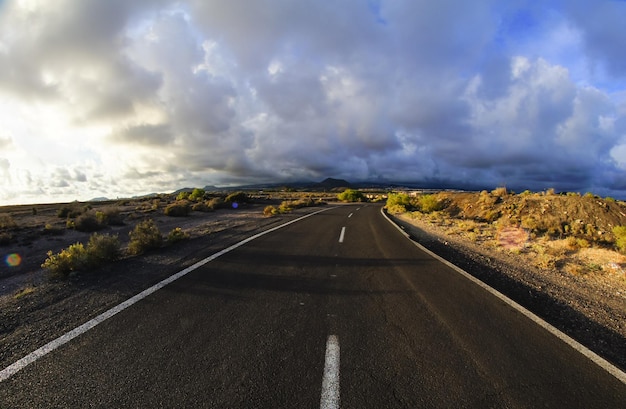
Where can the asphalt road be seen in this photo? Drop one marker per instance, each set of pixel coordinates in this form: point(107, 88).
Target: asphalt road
point(339, 308)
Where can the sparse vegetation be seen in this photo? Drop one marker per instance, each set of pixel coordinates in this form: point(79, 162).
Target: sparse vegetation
point(71, 259)
point(145, 236)
point(556, 227)
point(177, 234)
point(100, 249)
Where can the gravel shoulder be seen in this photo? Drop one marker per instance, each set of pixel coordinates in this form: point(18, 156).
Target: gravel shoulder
point(591, 310)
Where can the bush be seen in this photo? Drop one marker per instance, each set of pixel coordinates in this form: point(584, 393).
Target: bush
point(183, 196)
point(71, 259)
point(177, 234)
point(620, 237)
point(110, 216)
point(69, 211)
point(270, 210)
point(351, 195)
point(88, 222)
point(398, 203)
point(197, 195)
point(201, 207)
point(49, 229)
point(178, 209)
point(429, 203)
point(6, 221)
point(103, 247)
point(145, 236)
point(238, 197)
point(217, 203)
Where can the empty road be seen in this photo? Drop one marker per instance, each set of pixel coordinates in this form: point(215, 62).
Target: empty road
point(336, 310)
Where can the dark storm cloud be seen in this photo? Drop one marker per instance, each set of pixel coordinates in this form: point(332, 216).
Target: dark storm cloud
point(144, 134)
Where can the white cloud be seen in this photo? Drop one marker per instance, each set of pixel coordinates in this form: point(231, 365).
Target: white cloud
point(118, 98)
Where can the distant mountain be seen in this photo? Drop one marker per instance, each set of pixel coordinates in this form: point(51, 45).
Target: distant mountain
point(331, 183)
point(100, 199)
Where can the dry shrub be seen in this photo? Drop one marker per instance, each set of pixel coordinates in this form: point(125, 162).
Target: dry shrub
point(103, 247)
point(88, 222)
point(145, 236)
point(6, 221)
point(177, 234)
point(270, 210)
point(180, 208)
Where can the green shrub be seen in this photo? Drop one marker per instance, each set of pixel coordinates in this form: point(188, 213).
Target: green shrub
point(183, 196)
point(178, 209)
point(197, 195)
point(620, 237)
point(429, 203)
point(351, 195)
point(145, 236)
point(399, 203)
point(103, 247)
point(217, 203)
point(177, 234)
point(71, 259)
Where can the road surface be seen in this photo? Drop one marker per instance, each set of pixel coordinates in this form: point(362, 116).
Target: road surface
point(336, 310)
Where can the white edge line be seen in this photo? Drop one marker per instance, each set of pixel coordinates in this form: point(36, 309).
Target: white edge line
point(330, 381)
point(597, 359)
point(12, 369)
point(342, 234)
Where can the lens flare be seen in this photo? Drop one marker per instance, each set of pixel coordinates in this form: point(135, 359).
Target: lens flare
point(235, 205)
point(13, 260)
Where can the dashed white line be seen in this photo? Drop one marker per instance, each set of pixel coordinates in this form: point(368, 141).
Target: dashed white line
point(350, 215)
point(343, 233)
point(330, 381)
point(12, 369)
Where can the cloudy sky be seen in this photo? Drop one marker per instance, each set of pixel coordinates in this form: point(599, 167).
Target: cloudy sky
point(117, 98)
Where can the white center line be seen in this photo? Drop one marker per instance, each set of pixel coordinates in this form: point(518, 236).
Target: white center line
point(350, 215)
point(330, 381)
point(343, 233)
